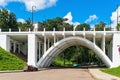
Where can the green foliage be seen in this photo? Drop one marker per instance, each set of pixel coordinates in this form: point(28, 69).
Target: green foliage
point(100, 26)
point(58, 61)
point(9, 61)
point(25, 26)
point(7, 19)
point(113, 71)
point(76, 55)
point(82, 26)
point(118, 27)
point(57, 23)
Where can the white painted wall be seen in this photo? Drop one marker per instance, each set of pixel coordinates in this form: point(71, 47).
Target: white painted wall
point(5, 42)
point(115, 52)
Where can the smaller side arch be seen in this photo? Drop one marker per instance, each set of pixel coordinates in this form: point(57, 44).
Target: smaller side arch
point(58, 47)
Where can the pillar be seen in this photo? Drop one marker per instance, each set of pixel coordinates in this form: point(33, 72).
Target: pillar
point(84, 33)
point(94, 40)
point(18, 48)
point(42, 48)
point(39, 48)
point(63, 33)
point(32, 49)
point(103, 43)
point(94, 34)
point(14, 47)
point(110, 50)
point(48, 43)
point(44, 44)
point(54, 39)
point(5, 42)
point(115, 49)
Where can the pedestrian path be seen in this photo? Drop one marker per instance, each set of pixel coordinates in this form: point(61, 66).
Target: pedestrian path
point(101, 75)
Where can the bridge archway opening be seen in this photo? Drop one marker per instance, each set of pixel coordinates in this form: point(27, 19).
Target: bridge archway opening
point(61, 45)
point(77, 56)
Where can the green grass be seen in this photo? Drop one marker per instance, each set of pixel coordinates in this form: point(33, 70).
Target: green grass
point(60, 62)
point(112, 71)
point(9, 61)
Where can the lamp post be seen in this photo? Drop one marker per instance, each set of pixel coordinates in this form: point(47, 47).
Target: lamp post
point(118, 27)
point(32, 12)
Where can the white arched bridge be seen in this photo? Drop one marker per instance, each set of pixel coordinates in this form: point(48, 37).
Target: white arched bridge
point(41, 47)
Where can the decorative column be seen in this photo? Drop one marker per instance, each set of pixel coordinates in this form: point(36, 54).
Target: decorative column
point(63, 33)
point(14, 47)
point(103, 43)
point(84, 33)
point(94, 34)
point(42, 48)
point(48, 43)
point(39, 48)
point(32, 49)
point(44, 44)
point(19, 48)
point(54, 35)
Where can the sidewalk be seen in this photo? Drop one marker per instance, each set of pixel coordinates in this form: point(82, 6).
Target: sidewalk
point(101, 75)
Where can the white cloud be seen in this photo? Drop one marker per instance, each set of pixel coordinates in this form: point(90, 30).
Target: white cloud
point(69, 17)
point(91, 18)
point(21, 20)
point(114, 18)
point(40, 4)
point(3, 2)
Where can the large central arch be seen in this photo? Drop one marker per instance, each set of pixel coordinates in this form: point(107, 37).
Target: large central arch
point(61, 45)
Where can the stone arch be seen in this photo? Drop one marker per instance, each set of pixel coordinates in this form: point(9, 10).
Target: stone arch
point(58, 47)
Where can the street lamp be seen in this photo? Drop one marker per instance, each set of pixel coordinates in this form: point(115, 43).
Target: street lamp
point(32, 12)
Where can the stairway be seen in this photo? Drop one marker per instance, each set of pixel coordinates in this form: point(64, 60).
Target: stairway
point(20, 55)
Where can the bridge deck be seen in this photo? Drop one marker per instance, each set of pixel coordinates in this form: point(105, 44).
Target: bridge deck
point(22, 35)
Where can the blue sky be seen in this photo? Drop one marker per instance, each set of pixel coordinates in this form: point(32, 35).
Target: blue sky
point(77, 11)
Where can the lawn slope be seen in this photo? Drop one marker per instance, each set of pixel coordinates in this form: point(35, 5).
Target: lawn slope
point(113, 71)
point(9, 61)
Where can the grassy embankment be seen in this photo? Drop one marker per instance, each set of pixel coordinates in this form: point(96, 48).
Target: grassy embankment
point(9, 61)
point(112, 71)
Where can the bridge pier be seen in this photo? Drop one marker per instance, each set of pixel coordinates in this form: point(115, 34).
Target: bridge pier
point(115, 49)
point(103, 43)
point(32, 49)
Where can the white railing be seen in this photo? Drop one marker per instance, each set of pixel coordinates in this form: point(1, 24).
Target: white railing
point(36, 30)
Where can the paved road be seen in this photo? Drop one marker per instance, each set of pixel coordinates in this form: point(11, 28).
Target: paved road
point(49, 74)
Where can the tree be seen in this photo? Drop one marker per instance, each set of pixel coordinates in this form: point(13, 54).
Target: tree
point(118, 26)
point(57, 23)
point(25, 26)
point(7, 19)
point(12, 20)
point(100, 26)
point(82, 26)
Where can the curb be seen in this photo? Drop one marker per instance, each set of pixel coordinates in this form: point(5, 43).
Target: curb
point(11, 71)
